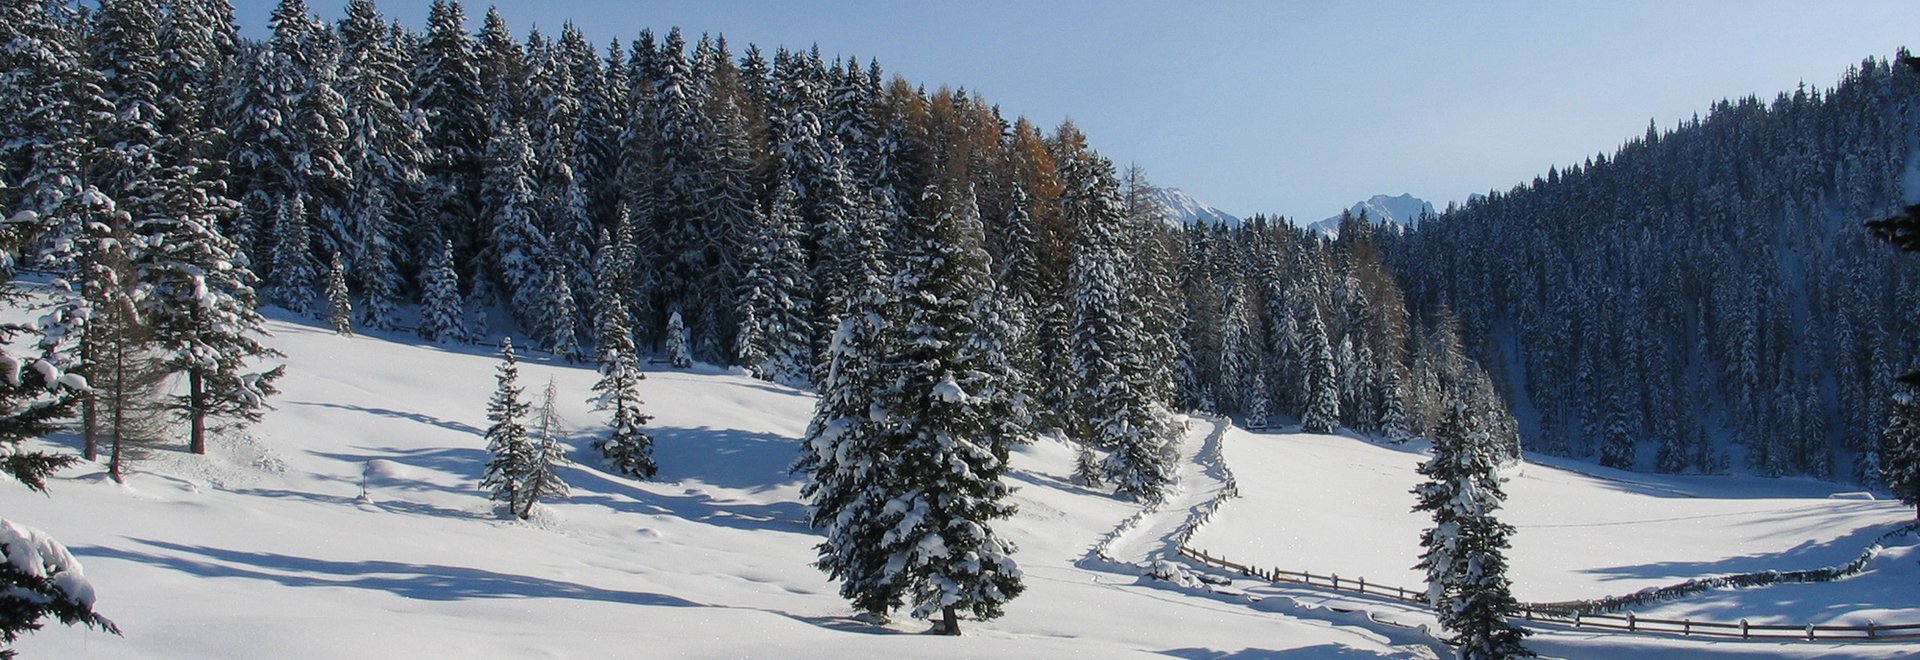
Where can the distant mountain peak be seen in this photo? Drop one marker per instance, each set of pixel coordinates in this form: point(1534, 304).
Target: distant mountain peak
point(1404, 211)
point(1183, 210)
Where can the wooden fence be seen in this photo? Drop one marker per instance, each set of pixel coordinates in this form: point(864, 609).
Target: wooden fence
point(1628, 623)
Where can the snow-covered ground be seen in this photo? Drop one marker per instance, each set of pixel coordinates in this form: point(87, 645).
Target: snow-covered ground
point(350, 524)
point(1337, 505)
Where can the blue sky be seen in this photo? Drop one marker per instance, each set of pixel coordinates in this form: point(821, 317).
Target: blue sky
point(1298, 108)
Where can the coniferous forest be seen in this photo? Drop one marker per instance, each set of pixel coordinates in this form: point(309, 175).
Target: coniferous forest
point(952, 282)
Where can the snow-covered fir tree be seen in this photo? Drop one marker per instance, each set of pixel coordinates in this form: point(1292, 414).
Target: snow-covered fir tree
point(837, 453)
point(42, 579)
point(557, 327)
point(626, 447)
point(1900, 448)
point(946, 430)
point(774, 340)
point(339, 300)
point(547, 454)
point(1319, 380)
point(293, 274)
point(385, 151)
point(1467, 584)
point(1116, 400)
point(511, 452)
point(679, 355)
point(441, 316)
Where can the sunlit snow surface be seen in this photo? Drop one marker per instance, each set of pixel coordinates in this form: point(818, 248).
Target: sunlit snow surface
point(350, 524)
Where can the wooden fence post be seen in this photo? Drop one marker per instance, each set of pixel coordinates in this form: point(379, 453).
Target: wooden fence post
point(1743, 629)
point(1363, 586)
point(1336, 581)
point(1631, 622)
point(1686, 627)
point(1809, 632)
point(1576, 618)
point(1869, 628)
point(1402, 593)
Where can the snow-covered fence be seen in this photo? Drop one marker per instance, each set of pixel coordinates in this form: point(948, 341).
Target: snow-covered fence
point(1652, 595)
point(1537, 615)
point(1277, 575)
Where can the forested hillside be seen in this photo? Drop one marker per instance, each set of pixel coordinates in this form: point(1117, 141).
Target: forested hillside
point(736, 206)
point(1706, 298)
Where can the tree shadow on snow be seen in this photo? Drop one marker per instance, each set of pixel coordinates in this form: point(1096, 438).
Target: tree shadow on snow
point(727, 458)
point(1318, 651)
point(397, 414)
point(430, 582)
point(1805, 555)
point(595, 488)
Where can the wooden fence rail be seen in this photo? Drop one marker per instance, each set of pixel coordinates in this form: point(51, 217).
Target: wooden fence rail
point(1627, 623)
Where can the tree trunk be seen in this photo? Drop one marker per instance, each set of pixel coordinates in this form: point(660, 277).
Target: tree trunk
point(90, 425)
point(197, 403)
point(119, 405)
point(952, 621)
point(533, 495)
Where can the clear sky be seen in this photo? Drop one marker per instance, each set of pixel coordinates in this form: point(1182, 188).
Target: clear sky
point(1297, 108)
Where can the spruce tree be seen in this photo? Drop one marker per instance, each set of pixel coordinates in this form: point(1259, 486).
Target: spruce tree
point(626, 447)
point(339, 302)
point(293, 275)
point(512, 453)
point(547, 455)
point(1467, 584)
point(678, 355)
point(1320, 380)
point(1116, 401)
point(1900, 448)
point(946, 430)
point(837, 454)
point(440, 311)
point(561, 315)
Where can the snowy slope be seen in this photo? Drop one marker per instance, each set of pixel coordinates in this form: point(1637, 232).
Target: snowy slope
point(351, 525)
point(1336, 505)
point(1403, 210)
point(1183, 210)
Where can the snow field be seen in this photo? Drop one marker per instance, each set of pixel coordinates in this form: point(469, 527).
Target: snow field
point(1337, 505)
point(351, 524)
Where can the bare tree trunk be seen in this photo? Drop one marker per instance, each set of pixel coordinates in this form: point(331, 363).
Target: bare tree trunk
point(119, 404)
point(952, 621)
point(197, 400)
point(90, 425)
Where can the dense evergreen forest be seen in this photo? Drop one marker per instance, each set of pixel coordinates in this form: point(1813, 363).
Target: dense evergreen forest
point(732, 208)
point(1706, 298)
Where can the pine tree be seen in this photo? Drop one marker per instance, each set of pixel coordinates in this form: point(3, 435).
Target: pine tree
point(292, 273)
point(562, 315)
point(775, 307)
point(628, 449)
point(836, 454)
point(339, 303)
point(513, 454)
point(1116, 402)
point(516, 247)
point(42, 579)
point(1320, 380)
point(385, 151)
point(1617, 446)
point(447, 90)
point(543, 476)
point(201, 312)
point(678, 355)
point(440, 313)
point(1467, 584)
point(1900, 448)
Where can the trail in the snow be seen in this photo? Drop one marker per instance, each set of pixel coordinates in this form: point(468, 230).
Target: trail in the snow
point(1155, 534)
